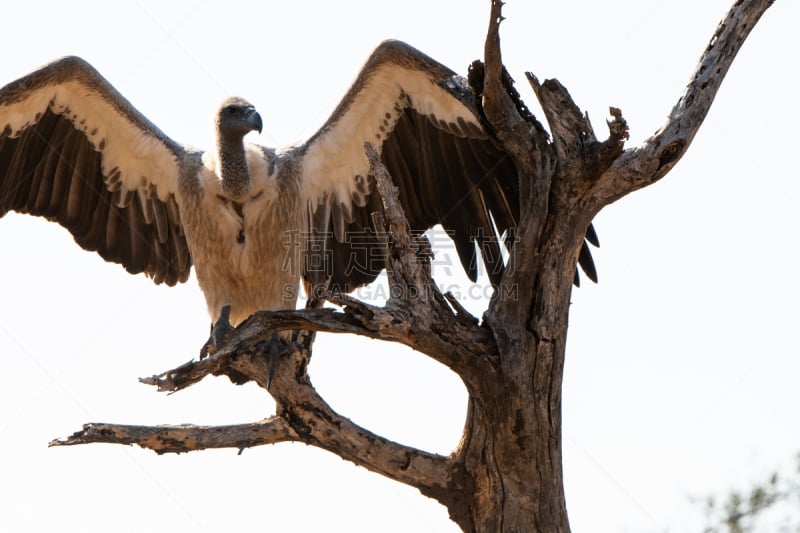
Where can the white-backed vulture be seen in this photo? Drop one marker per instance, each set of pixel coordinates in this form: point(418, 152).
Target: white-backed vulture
point(75, 151)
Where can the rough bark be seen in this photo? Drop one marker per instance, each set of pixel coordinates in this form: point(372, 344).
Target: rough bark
point(506, 474)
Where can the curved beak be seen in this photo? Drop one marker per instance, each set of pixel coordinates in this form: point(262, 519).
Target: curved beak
point(254, 119)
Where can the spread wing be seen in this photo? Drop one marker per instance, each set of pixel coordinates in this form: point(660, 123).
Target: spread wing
point(75, 151)
point(448, 169)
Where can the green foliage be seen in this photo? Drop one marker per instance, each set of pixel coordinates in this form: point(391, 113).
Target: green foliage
point(772, 505)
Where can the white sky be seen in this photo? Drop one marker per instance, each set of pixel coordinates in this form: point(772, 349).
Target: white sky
point(682, 364)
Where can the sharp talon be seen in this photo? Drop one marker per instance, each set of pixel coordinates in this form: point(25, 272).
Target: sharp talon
point(275, 347)
point(208, 349)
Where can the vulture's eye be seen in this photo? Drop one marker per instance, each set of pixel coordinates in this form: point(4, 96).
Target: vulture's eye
point(231, 110)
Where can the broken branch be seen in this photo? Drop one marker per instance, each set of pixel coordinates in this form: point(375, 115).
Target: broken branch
point(641, 166)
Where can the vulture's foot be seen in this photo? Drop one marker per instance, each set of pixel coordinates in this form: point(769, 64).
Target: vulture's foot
point(221, 332)
point(273, 349)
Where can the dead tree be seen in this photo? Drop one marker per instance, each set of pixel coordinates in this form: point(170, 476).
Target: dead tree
point(506, 473)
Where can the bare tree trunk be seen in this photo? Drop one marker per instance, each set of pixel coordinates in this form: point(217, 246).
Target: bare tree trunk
point(506, 474)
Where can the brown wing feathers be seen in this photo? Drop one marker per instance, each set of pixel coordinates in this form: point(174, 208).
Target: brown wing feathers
point(345, 263)
point(442, 179)
point(459, 182)
point(50, 169)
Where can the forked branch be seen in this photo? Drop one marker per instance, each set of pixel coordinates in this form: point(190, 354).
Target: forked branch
point(302, 417)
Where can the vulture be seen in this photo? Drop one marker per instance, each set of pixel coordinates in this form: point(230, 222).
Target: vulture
point(252, 220)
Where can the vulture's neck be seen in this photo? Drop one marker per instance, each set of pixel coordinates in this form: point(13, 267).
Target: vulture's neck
point(233, 166)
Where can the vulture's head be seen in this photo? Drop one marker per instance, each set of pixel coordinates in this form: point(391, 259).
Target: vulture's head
point(236, 117)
